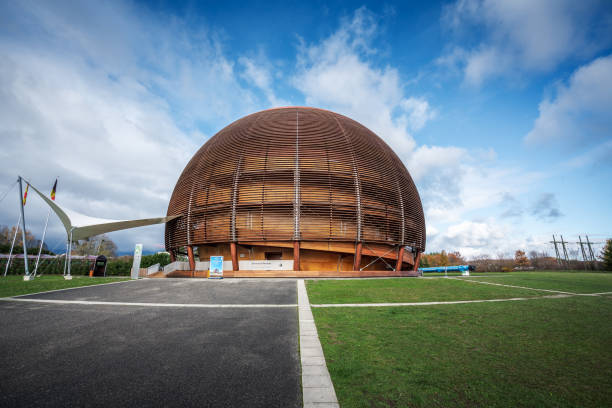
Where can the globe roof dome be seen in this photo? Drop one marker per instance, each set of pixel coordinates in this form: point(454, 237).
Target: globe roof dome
point(295, 174)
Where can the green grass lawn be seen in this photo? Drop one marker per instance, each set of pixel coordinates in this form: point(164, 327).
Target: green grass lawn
point(538, 353)
point(407, 290)
point(580, 282)
point(15, 285)
point(541, 352)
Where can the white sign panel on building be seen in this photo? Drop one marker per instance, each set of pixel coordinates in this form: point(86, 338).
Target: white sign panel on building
point(137, 259)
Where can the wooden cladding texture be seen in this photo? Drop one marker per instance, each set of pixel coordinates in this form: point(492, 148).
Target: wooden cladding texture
point(292, 174)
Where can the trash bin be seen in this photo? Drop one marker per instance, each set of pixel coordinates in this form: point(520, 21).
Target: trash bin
point(100, 266)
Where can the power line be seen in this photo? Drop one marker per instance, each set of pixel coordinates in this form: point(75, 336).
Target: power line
point(586, 248)
point(8, 191)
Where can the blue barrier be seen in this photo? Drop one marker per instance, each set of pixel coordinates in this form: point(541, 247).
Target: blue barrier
point(456, 268)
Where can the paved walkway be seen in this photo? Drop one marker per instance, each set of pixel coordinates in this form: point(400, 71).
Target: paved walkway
point(182, 291)
point(318, 389)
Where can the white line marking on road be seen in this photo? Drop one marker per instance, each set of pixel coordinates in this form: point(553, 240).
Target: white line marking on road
point(75, 287)
point(185, 305)
point(512, 286)
point(317, 387)
point(452, 302)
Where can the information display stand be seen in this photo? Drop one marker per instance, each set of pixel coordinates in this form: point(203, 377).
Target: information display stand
point(215, 270)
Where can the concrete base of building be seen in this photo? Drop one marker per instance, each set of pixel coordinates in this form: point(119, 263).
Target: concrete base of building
point(291, 274)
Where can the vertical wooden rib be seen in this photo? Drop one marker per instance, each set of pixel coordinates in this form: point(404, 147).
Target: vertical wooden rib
point(296, 179)
point(357, 259)
point(191, 258)
point(417, 261)
point(234, 254)
point(400, 259)
point(296, 255)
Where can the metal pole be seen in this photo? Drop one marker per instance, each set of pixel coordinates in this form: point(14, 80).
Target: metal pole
point(66, 258)
point(8, 262)
point(99, 245)
point(554, 241)
point(591, 252)
point(590, 249)
point(69, 257)
point(565, 253)
point(42, 241)
point(584, 257)
point(23, 231)
point(50, 265)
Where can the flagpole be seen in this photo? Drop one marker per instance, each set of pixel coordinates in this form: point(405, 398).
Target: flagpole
point(23, 232)
point(8, 262)
point(42, 241)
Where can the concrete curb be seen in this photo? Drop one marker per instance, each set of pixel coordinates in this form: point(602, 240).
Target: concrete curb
point(317, 387)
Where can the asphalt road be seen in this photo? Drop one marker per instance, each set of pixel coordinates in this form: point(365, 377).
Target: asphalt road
point(60, 355)
point(211, 291)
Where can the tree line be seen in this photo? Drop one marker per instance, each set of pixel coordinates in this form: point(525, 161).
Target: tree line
point(118, 266)
point(98, 245)
point(521, 260)
point(33, 244)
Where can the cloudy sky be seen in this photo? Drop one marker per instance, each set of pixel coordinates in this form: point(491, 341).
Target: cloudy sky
point(501, 110)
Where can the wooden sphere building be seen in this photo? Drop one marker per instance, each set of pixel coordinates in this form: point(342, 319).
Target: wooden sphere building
point(298, 189)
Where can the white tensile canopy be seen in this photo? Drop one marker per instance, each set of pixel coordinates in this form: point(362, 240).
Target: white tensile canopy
point(79, 226)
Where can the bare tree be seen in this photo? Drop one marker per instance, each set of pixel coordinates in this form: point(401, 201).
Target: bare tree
point(98, 245)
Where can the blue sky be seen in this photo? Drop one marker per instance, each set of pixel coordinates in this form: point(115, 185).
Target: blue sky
point(501, 111)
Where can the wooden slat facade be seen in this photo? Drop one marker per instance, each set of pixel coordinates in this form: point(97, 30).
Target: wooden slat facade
point(296, 174)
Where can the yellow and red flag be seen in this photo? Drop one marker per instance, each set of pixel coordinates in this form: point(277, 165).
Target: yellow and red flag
point(53, 190)
point(25, 195)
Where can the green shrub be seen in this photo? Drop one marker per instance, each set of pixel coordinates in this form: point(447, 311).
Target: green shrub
point(162, 258)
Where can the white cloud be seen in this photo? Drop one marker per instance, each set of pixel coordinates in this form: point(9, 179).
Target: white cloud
point(581, 111)
point(438, 172)
point(427, 159)
point(484, 63)
point(523, 36)
point(488, 237)
point(117, 155)
point(116, 113)
point(258, 73)
point(470, 234)
point(115, 109)
point(419, 112)
point(456, 181)
point(597, 156)
point(339, 73)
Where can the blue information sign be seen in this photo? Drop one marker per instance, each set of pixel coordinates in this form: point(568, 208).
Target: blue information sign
point(215, 271)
